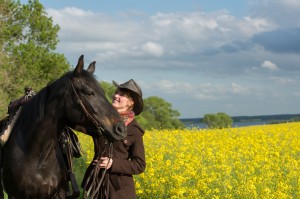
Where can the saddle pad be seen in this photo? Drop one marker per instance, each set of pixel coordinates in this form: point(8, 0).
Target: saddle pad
point(10, 125)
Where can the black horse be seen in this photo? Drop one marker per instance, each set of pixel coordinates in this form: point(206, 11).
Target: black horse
point(33, 165)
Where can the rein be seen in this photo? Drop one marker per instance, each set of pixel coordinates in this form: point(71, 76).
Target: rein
point(94, 187)
point(88, 115)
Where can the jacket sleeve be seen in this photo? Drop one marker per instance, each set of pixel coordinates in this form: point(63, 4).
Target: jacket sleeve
point(136, 163)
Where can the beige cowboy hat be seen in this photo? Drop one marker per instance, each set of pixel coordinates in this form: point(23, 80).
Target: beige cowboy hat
point(136, 93)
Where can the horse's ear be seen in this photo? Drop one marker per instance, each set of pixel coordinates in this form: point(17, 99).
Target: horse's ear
point(91, 67)
point(79, 66)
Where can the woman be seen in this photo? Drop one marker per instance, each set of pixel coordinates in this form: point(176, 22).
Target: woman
point(128, 155)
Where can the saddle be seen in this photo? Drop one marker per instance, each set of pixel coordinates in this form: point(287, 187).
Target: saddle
point(7, 124)
point(69, 142)
point(14, 110)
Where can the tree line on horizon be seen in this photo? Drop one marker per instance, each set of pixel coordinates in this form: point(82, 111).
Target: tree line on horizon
point(222, 120)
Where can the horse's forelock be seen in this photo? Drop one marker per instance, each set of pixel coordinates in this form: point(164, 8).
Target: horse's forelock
point(91, 78)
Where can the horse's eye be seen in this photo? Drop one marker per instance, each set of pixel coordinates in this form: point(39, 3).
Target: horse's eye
point(91, 93)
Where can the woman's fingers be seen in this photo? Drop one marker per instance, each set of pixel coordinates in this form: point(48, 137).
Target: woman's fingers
point(104, 162)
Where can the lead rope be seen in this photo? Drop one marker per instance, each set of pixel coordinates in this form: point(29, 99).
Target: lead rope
point(95, 172)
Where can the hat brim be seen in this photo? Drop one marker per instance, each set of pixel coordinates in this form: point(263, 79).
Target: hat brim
point(116, 84)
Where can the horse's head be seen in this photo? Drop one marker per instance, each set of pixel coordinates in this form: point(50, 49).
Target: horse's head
point(88, 108)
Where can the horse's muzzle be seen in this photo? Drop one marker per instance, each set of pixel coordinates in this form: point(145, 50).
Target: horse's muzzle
point(120, 131)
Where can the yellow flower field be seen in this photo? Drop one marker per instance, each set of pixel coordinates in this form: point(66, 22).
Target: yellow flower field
point(246, 162)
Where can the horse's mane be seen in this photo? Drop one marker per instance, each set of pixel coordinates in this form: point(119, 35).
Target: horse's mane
point(33, 110)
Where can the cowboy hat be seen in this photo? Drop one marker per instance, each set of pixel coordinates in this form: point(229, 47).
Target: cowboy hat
point(136, 94)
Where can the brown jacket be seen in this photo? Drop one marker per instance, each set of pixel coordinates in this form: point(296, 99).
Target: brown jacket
point(128, 159)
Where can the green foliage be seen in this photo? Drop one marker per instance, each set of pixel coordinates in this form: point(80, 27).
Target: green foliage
point(295, 119)
point(6, 84)
point(36, 53)
point(219, 120)
point(28, 39)
point(109, 89)
point(157, 113)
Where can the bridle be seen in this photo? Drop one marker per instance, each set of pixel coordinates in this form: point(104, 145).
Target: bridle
point(86, 112)
point(95, 183)
point(93, 176)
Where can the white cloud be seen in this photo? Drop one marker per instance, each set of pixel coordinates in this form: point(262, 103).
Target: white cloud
point(203, 91)
point(291, 3)
point(269, 65)
point(297, 94)
point(282, 80)
point(240, 90)
point(153, 49)
point(257, 25)
point(286, 15)
point(164, 34)
point(173, 87)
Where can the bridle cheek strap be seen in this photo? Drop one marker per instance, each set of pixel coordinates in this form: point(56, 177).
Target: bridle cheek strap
point(88, 115)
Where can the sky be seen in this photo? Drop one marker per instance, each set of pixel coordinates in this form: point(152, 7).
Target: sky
point(240, 57)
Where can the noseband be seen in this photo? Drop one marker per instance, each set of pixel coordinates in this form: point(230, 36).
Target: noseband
point(87, 114)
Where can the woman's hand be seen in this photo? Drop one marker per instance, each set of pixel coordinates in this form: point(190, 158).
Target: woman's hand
point(105, 162)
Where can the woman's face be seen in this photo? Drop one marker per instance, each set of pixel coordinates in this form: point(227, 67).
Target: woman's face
point(121, 101)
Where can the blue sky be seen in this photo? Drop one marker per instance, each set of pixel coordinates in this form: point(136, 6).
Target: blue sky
point(202, 56)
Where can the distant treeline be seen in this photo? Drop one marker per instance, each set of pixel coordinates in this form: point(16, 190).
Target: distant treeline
point(266, 118)
point(257, 118)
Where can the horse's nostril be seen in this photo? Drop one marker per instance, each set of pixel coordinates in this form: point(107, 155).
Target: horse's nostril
point(121, 129)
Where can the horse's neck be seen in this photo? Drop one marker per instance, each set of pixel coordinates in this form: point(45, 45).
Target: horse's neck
point(46, 131)
point(49, 125)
